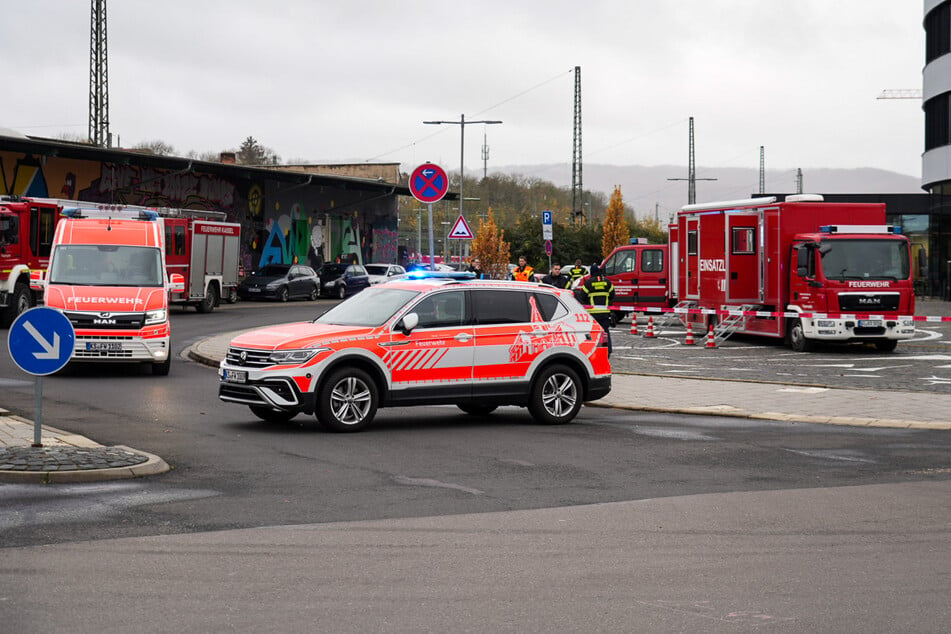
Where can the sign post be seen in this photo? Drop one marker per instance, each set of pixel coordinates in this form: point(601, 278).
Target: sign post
point(546, 234)
point(429, 183)
point(41, 343)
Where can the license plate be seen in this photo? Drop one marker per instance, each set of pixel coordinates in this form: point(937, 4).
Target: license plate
point(254, 290)
point(870, 323)
point(104, 346)
point(234, 376)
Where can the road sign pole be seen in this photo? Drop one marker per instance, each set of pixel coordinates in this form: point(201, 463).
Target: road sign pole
point(432, 261)
point(38, 414)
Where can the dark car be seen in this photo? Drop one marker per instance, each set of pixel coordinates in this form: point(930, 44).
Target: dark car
point(342, 280)
point(281, 282)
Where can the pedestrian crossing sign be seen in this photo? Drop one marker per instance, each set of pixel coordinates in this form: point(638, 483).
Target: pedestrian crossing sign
point(461, 230)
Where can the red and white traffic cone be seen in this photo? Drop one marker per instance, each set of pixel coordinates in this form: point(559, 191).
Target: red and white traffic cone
point(649, 333)
point(689, 340)
point(634, 323)
point(711, 338)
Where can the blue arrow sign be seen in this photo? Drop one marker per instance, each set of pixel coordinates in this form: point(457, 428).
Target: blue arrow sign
point(41, 341)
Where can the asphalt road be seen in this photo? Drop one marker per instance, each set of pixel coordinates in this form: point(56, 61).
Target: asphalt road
point(432, 520)
point(230, 470)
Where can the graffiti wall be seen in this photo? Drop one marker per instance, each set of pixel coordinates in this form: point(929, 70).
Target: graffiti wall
point(281, 222)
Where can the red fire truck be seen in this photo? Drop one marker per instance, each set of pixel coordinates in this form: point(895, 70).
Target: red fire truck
point(641, 276)
point(203, 248)
point(26, 236)
point(803, 270)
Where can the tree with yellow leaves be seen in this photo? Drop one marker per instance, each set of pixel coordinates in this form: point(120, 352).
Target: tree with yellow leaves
point(616, 231)
point(489, 245)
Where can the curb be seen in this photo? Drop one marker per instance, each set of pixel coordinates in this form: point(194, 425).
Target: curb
point(153, 466)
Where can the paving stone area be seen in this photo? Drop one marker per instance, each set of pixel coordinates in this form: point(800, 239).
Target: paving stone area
point(67, 458)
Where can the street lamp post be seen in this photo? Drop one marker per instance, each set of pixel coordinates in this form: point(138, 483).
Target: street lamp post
point(462, 146)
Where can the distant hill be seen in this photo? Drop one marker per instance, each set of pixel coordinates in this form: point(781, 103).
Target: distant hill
point(644, 187)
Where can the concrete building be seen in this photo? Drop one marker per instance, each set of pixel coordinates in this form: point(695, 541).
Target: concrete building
point(936, 160)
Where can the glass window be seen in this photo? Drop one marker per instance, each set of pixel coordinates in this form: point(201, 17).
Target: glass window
point(845, 259)
point(442, 310)
point(549, 307)
point(169, 240)
point(692, 243)
point(610, 265)
point(627, 262)
point(500, 307)
point(652, 261)
point(371, 307)
point(744, 240)
point(179, 240)
point(9, 229)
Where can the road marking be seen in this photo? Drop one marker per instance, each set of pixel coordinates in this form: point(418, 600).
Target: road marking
point(804, 390)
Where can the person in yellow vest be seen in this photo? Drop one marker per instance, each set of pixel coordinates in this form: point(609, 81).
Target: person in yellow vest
point(576, 273)
point(599, 293)
point(523, 273)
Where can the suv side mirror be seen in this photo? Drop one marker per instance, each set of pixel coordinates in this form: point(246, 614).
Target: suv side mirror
point(408, 323)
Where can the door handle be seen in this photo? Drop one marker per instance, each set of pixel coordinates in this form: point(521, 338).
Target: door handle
point(463, 336)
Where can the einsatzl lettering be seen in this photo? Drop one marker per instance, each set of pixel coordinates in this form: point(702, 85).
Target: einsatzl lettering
point(713, 265)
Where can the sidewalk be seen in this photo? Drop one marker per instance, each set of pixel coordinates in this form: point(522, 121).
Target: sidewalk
point(66, 457)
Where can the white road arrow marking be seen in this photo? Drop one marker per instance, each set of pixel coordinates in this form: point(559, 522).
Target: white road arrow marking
point(51, 349)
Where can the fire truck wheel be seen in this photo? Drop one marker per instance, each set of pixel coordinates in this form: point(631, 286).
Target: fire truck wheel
point(232, 295)
point(211, 300)
point(347, 401)
point(797, 339)
point(314, 294)
point(161, 369)
point(20, 302)
point(556, 395)
point(886, 345)
point(272, 415)
point(477, 409)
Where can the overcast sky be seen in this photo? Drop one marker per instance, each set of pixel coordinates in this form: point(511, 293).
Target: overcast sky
point(332, 81)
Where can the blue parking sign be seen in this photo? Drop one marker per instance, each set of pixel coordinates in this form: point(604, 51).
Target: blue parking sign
point(41, 341)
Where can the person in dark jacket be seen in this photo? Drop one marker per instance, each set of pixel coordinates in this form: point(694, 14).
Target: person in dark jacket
point(476, 267)
point(556, 278)
point(599, 294)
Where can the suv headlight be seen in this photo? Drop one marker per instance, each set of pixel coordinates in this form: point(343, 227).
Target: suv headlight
point(285, 357)
point(156, 316)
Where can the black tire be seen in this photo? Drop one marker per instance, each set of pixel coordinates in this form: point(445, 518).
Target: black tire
point(347, 401)
point(314, 294)
point(797, 338)
point(232, 297)
point(342, 291)
point(162, 368)
point(210, 301)
point(283, 295)
point(269, 415)
point(556, 395)
point(20, 301)
point(477, 409)
point(886, 345)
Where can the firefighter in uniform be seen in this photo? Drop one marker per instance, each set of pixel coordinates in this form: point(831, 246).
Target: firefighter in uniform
point(576, 273)
point(524, 273)
point(599, 295)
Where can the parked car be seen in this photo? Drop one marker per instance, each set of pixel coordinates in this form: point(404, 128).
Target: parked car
point(281, 282)
point(420, 266)
point(382, 272)
point(477, 344)
point(342, 280)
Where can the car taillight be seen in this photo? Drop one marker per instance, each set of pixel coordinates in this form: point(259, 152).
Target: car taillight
point(602, 339)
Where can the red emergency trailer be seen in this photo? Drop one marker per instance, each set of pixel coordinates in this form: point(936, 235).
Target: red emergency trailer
point(804, 270)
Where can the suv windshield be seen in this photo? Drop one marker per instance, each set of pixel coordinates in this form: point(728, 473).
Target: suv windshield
point(99, 265)
point(371, 307)
point(864, 259)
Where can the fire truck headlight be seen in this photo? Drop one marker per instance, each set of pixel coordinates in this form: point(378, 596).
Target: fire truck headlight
point(156, 316)
point(284, 357)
